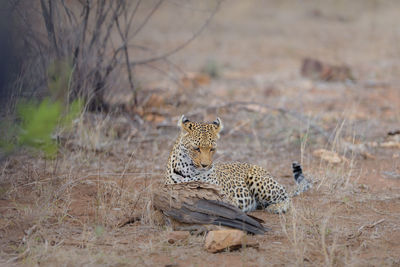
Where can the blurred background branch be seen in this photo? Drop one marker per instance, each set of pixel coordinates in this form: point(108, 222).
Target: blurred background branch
point(94, 36)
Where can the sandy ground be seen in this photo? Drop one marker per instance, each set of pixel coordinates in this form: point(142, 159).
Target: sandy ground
point(65, 212)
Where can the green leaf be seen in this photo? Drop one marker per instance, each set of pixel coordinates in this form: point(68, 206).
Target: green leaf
point(38, 123)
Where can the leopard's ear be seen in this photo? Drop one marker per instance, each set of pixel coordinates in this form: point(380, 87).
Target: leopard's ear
point(218, 126)
point(185, 124)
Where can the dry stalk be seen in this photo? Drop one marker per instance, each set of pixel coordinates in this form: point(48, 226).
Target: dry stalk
point(372, 225)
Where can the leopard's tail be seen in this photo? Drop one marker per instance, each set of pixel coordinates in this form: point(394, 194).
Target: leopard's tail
point(302, 183)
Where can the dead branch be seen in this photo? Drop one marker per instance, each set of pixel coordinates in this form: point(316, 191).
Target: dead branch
point(124, 40)
point(359, 231)
point(47, 12)
point(371, 225)
point(197, 203)
point(128, 27)
point(82, 30)
point(180, 47)
point(144, 22)
point(70, 15)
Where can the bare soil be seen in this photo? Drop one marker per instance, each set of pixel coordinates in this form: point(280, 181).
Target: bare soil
point(67, 211)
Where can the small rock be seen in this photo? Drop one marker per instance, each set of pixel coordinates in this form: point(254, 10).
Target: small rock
point(177, 236)
point(219, 240)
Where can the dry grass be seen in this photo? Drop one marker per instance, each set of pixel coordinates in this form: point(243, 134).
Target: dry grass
point(67, 211)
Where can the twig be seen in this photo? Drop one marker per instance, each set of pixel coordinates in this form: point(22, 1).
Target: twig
point(47, 13)
point(111, 63)
point(134, 218)
point(128, 27)
point(101, 15)
point(70, 15)
point(83, 243)
point(28, 233)
point(188, 7)
point(20, 256)
point(359, 232)
point(168, 62)
point(371, 225)
point(163, 72)
point(144, 22)
point(128, 66)
point(176, 49)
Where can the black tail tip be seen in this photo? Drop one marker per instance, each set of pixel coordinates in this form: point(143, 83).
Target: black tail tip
point(296, 167)
point(297, 171)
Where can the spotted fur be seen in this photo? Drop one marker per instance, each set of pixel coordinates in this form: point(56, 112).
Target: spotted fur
point(247, 186)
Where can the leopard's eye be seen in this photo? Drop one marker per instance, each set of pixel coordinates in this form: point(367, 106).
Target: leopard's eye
point(212, 149)
point(197, 149)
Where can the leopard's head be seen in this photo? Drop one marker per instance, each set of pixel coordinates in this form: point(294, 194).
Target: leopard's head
point(200, 139)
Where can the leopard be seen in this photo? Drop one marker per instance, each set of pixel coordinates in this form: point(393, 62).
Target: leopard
point(247, 186)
